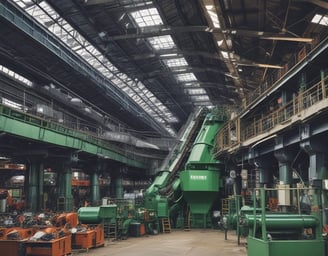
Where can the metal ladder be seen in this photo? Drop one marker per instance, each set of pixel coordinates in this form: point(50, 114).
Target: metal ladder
point(166, 225)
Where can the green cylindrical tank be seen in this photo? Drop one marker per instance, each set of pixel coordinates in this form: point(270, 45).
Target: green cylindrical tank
point(281, 222)
point(89, 215)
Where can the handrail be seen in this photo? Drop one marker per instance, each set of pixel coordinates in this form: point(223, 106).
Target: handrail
point(65, 130)
point(276, 75)
point(228, 136)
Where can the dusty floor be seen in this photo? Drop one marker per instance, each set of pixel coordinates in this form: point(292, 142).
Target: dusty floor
point(191, 243)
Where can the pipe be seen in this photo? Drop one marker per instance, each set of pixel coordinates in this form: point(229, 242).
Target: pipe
point(283, 221)
point(128, 139)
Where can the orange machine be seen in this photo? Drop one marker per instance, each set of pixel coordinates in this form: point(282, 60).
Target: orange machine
point(90, 238)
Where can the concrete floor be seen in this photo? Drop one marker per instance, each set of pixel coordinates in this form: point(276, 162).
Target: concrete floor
point(191, 243)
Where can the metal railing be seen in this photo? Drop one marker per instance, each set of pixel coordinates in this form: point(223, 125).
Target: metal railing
point(60, 128)
point(235, 132)
point(275, 76)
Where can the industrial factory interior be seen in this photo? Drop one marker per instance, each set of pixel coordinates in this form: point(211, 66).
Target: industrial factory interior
point(164, 127)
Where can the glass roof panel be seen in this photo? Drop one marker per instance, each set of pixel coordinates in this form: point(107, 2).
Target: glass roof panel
point(162, 42)
point(151, 17)
point(187, 77)
point(213, 15)
point(147, 17)
point(44, 14)
point(176, 62)
point(16, 76)
point(320, 19)
point(200, 97)
point(196, 91)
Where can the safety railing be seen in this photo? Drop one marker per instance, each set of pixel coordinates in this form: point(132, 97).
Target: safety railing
point(275, 76)
point(87, 136)
point(236, 131)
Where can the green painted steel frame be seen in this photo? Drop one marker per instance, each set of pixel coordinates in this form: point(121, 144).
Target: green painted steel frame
point(265, 247)
point(285, 247)
point(31, 127)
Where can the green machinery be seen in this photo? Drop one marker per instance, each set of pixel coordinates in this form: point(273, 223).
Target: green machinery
point(200, 181)
point(188, 192)
point(104, 214)
point(283, 234)
point(97, 214)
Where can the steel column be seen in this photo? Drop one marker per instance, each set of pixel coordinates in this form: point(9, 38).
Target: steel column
point(65, 186)
point(32, 197)
point(40, 186)
point(95, 192)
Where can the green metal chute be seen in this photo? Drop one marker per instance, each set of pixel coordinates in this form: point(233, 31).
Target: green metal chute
point(191, 180)
point(200, 181)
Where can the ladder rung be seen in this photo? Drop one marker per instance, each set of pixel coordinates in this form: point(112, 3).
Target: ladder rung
point(166, 225)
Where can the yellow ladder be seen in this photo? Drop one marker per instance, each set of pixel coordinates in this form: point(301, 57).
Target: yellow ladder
point(166, 225)
point(225, 207)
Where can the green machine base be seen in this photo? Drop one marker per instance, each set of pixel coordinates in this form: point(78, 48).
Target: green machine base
point(285, 247)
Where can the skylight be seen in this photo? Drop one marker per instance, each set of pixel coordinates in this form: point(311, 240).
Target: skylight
point(188, 77)
point(213, 15)
point(16, 76)
point(47, 16)
point(176, 62)
point(151, 17)
point(320, 19)
point(201, 97)
point(196, 91)
point(162, 42)
point(147, 17)
point(225, 54)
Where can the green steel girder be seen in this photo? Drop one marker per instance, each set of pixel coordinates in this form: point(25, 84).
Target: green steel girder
point(33, 128)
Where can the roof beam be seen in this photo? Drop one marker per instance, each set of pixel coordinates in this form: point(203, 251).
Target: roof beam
point(183, 70)
point(320, 3)
point(122, 3)
point(176, 53)
point(258, 65)
point(165, 30)
point(206, 84)
point(153, 31)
